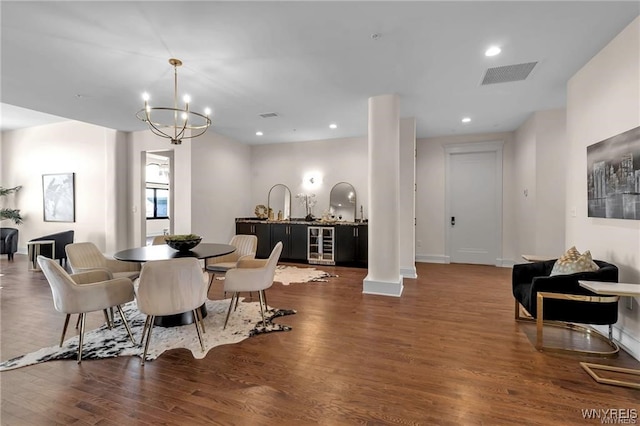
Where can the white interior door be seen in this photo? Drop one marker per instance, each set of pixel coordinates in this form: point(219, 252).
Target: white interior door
point(474, 232)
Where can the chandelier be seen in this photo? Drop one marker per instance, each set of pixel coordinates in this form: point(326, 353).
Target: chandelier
point(172, 123)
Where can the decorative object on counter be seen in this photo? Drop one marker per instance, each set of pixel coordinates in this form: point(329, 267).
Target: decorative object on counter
point(271, 216)
point(308, 201)
point(109, 343)
point(280, 217)
point(261, 211)
point(279, 199)
point(182, 242)
point(342, 202)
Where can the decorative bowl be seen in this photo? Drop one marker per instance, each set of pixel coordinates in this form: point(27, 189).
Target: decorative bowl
point(183, 242)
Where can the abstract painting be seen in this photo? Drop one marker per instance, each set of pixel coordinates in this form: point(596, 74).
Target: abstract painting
point(613, 177)
point(59, 197)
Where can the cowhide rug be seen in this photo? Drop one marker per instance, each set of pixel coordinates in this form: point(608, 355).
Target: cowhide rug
point(292, 274)
point(105, 343)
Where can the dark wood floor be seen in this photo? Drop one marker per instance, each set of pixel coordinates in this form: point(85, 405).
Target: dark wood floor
point(448, 352)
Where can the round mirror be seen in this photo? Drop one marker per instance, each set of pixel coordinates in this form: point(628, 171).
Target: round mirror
point(279, 201)
point(342, 202)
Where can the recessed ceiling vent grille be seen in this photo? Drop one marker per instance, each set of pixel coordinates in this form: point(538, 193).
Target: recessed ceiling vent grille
point(268, 115)
point(508, 73)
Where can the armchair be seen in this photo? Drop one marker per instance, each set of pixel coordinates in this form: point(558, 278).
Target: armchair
point(85, 292)
point(8, 242)
point(559, 300)
point(86, 256)
point(61, 239)
point(245, 245)
point(252, 275)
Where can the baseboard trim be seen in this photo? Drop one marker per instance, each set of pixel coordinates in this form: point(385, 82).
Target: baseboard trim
point(409, 272)
point(432, 258)
point(382, 288)
point(505, 263)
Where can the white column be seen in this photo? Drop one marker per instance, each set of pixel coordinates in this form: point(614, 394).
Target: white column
point(407, 222)
point(384, 197)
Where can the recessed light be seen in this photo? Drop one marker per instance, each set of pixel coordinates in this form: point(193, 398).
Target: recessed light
point(492, 51)
point(259, 133)
point(333, 126)
point(466, 120)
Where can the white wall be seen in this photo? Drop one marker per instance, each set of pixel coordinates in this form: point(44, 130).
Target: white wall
point(525, 180)
point(91, 152)
point(539, 167)
point(139, 143)
point(603, 100)
point(220, 186)
point(337, 160)
point(430, 196)
point(551, 149)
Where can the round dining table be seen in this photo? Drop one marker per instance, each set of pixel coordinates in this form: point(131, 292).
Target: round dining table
point(164, 252)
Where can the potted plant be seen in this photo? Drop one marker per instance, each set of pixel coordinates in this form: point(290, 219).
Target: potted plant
point(6, 213)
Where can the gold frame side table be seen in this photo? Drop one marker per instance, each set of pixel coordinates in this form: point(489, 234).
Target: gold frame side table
point(613, 289)
point(33, 250)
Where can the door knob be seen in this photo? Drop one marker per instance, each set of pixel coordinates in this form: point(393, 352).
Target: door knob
point(453, 221)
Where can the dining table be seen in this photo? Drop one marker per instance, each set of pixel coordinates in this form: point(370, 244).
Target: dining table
point(164, 252)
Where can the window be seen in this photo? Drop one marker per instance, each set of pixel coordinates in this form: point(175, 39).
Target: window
point(157, 205)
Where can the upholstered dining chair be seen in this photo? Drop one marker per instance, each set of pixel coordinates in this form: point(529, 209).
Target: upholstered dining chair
point(169, 287)
point(85, 292)
point(245, 245)
point(252, 275)
point(86, 256)
point(159, 240)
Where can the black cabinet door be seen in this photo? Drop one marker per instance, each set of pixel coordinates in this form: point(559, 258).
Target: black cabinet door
point(345, 244)
point(298, 242)
point(244, 228)
point(362, 255)
point(280, 232)
point(264, 240)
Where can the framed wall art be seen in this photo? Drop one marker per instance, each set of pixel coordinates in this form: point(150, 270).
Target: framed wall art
point(58, 191)
point(613, 177)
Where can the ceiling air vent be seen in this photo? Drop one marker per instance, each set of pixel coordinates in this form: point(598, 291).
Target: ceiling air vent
point(508, 73)
point(268, 115)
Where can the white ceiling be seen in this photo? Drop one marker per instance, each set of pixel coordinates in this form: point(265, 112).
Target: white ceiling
point(313, 63)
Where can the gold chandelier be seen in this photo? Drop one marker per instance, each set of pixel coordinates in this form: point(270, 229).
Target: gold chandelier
point(173, 123)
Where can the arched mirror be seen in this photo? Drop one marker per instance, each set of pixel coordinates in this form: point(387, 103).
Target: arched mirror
point(279, 201)
point(342, 202)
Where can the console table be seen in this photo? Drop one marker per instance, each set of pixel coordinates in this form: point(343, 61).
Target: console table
point(613, 289)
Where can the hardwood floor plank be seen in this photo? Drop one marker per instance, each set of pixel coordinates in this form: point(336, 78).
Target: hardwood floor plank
point(448, 352)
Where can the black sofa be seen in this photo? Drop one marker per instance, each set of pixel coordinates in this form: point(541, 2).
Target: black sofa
point(530, 278)
point(61, 239)
point(565, 303)
point(8, 242)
